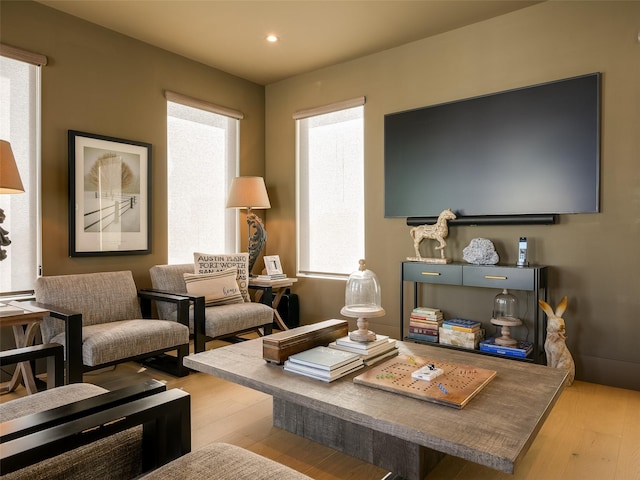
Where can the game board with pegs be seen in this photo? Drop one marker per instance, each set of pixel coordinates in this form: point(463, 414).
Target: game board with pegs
point(455, 387)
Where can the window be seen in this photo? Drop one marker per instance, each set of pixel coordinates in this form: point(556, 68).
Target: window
point(202, 160)
point(20, 126)
point(330, 191)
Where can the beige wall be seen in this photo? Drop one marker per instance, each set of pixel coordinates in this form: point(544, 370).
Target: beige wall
point(594, 258)
point(101, 82)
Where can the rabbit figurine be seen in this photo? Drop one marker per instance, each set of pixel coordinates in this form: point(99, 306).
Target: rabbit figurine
point(558, 355)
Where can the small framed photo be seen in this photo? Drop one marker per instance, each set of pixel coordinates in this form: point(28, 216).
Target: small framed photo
point(272, 264)
point(109, 196)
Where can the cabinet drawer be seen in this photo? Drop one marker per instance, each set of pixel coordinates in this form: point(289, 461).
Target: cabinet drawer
point(499, 277)
point(432, 273)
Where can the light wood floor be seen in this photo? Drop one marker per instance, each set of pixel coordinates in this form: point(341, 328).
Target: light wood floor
point(593, 432)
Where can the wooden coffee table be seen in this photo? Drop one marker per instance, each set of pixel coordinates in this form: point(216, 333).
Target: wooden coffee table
point(404, 435)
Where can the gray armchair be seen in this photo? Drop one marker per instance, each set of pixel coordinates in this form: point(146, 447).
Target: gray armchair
point(98, 319)
point(212, 322)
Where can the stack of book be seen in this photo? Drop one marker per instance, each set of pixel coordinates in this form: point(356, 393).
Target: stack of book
point(273, 276)
point(521, 350)
point(370, 352)
point(424, 324)
point(461, 332)
point(324, 363)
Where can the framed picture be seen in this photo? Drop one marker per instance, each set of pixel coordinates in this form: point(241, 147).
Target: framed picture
point(272, 264)
point(109, 196)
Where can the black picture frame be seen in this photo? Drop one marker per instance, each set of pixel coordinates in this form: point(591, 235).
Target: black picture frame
point(109, 195)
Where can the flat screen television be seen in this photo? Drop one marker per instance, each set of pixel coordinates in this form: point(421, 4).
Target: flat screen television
point(516, 155)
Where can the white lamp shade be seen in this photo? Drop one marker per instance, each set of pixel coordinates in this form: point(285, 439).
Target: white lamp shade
point(248, 192)
point(9, 177)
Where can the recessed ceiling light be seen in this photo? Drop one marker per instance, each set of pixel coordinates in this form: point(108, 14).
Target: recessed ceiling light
point(272, 38)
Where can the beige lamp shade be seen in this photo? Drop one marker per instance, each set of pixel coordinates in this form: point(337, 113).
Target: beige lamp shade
point(9, 177)
point(248, 192)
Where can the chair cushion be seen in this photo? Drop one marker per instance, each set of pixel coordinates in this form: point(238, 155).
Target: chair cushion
point(218, 288)
point(223, 461)
point(208, 263)
point(100, 297)
point(48, 399)
point(108, 342)
point(228, 319)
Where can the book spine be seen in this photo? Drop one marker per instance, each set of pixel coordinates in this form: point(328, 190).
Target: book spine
point(460, 329)
point(424, 331)
point(502, 351)
point(424, 338)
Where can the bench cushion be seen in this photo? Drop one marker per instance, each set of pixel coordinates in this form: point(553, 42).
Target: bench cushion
point(223, 461)
point(109, 342)
point(48, 399)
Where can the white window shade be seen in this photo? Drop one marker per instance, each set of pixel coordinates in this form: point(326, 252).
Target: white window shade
point(330, 191)
point(20, 126)
point(202, 161)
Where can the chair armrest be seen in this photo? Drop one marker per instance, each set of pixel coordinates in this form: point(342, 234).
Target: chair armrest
point(35, 422)
point(53, 352)
point(73, 339)
point(183, 315)
point(181, 301)
point(165, 418)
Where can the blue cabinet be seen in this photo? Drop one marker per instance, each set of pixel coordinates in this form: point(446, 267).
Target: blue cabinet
point(533, 279)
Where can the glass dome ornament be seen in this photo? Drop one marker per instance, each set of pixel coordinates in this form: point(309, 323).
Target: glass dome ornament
point(362, 301)
point(505, 309)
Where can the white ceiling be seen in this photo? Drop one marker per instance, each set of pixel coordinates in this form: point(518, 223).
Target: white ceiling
point(230, 35)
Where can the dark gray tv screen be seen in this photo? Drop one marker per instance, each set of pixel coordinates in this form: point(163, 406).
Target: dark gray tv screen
point(534, 150)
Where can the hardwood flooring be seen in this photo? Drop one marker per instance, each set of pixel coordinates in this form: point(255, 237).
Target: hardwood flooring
point(593, 432)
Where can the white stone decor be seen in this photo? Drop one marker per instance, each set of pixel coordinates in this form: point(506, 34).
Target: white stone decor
point(480, 251)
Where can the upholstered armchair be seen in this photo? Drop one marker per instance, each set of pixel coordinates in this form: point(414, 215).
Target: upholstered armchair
point(208, 322)
point(98, 319)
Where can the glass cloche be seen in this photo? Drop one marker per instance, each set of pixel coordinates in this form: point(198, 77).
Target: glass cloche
point(362, 300)
point(505, 311)
point(505, 305)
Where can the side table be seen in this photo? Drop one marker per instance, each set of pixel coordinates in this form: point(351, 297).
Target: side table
point(25, 326)
point(265, 294)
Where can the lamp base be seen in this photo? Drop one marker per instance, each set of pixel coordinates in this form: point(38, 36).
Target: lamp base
point(257, 239)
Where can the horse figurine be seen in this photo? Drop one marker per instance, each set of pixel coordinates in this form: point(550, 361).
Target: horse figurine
point(558, 355)
point(439, 231)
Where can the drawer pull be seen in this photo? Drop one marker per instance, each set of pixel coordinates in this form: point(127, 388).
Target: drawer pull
point(431, 274)
point(495, 277)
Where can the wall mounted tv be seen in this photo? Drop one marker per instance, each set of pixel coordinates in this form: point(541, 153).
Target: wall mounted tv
point(519, 156)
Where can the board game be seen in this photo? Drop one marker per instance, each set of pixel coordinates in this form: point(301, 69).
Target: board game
point(454, 388)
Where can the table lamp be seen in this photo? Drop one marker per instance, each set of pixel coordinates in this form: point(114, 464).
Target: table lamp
point(9, 183)
point(251, 193)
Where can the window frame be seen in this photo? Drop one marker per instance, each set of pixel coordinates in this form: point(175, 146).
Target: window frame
point(33, 188)
point(232, 225)
point(299, 137)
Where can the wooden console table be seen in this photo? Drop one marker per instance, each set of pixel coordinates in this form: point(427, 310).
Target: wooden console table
point(498, 277)
point(404, 435)
point(25, 326)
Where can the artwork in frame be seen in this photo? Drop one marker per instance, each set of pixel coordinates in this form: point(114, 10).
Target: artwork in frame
point(272, 265)
point(109, 196)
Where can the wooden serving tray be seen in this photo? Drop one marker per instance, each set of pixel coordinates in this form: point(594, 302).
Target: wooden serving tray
point(454, 388)
point(278, 347)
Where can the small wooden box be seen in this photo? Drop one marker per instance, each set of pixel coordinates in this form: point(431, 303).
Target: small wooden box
point(279, 346)
point(461, 339)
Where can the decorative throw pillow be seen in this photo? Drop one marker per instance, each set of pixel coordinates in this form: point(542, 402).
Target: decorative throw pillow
point(218, 288)
point(209, 263)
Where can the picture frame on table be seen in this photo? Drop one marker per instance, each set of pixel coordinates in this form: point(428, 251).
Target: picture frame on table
point(272, 265)
point(109, 195)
